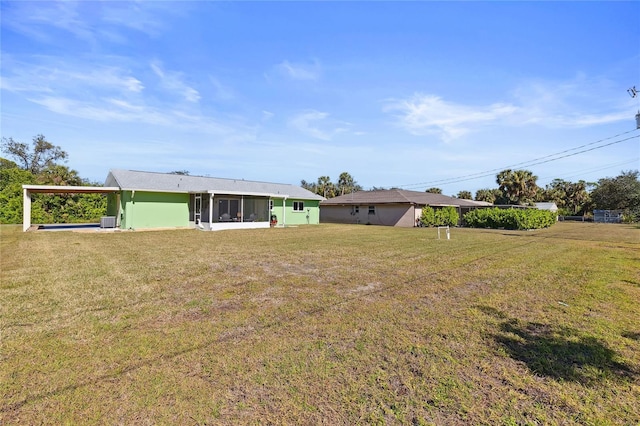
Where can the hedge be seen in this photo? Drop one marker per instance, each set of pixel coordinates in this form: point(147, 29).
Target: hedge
point(445, 216)
point(519, 219)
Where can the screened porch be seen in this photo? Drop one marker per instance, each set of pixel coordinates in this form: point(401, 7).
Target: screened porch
point(226, 211)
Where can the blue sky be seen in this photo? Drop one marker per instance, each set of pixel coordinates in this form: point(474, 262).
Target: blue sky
point(407, 94)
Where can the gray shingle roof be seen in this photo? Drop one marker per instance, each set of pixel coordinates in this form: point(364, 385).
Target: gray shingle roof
point(400, 196)
point(167, 182)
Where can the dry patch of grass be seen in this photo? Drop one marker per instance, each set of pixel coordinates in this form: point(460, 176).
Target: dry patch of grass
point(321, 325)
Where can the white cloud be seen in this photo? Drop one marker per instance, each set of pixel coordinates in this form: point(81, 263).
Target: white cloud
point(580, 102)
point(222, 92)
point(427, 114)
point(138, 16)
point(107, 110)
point(34, 19)
point(113, 111)
point(173, 81)
point(267, 115)
point(318, 125)
point(52, 75)
point(300, 71)
point(87, 21)
point(563, 104)
point(307, 123)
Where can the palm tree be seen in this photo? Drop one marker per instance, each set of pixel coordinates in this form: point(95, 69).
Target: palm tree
point(347, 184)
point(518, 185)
point(488, 195)
point(577, 196)
point(464, 195)
point(325, 187)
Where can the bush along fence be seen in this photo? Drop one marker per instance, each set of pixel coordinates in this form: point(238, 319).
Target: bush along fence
point(519, 219)
point(446, 216)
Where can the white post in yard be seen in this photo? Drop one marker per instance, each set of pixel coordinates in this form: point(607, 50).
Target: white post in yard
point(447, 230)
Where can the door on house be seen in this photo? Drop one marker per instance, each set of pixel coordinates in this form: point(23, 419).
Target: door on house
point(197, 209)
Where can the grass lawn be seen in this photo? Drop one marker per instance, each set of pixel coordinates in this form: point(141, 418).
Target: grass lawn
point(328, 324)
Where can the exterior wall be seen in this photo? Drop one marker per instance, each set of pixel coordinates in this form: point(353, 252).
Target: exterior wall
point(172, 210)
point(278, 209)
point(283, 209)
point(385, 214)
point(154, 210)
point(112, 204)
point(310, 214)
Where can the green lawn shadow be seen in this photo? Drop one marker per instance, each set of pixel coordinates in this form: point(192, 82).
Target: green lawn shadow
point(561, 353)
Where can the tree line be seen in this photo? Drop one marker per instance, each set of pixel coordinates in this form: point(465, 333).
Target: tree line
point(323, 186)
point(39, 164)
point(519, 187)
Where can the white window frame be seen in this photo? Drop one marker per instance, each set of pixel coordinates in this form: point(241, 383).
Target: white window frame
point(298, 206)
point(372, 209)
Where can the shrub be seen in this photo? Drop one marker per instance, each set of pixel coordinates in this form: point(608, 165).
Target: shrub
point(446, 216)
point(519, 219)
point(428, 216)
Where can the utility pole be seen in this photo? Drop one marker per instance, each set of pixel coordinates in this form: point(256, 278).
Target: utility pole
point(633, 92)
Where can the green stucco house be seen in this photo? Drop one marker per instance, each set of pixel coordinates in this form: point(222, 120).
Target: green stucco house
point(165, 200)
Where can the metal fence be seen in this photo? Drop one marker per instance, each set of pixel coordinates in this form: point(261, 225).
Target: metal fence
point(607, 216)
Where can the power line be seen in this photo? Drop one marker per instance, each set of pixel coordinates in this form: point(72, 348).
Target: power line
point(597, 169)
point(536, 161)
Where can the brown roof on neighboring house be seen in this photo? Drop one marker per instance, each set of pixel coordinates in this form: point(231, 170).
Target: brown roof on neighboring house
point(400, 196)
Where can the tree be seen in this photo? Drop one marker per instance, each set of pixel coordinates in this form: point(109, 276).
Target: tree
point(325, 187)
point(180, 172)
point(43, 154)
point(346, 184)
point(519, 186)
point(59, 175)
point(434, 190)
point(489, 195)
point(11, 195)
point(7, 164)
point(570, 197)
point(619, 193)
point(38, 165)
point(464, 195)
point(309, 186)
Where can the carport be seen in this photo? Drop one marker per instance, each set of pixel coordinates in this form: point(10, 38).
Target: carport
point(52, 189)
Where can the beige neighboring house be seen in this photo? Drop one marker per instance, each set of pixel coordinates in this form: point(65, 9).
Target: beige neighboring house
point(389, 207)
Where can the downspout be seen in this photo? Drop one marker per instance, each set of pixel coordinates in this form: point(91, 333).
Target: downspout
point(133, 203)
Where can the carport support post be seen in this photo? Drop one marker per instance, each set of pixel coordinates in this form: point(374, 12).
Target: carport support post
point(26, 210)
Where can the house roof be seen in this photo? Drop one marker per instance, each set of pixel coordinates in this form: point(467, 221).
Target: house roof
point(400, 196)
point(168, 182)
point(547, 206)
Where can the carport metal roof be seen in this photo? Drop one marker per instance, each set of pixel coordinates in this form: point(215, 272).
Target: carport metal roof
point(52, 189)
